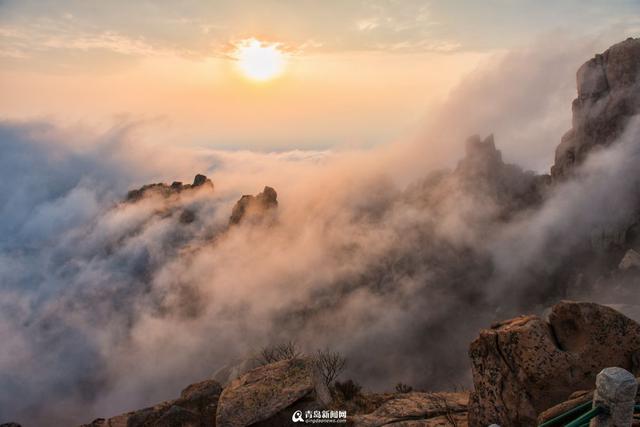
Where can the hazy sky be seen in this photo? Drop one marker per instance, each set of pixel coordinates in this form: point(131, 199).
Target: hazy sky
point(357, 72)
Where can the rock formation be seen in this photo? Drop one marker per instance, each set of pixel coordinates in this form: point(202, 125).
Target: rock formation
point(268, 395)
point(483, 173)
point(195, 407)
point(199, 181)
point(524, 366)
point(608, 95)
point(418, 409)
point(253, 208)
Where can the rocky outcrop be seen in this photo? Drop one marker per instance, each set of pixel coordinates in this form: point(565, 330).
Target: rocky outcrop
point(483, 173)
point(199, 181)
point(254, 208)
point(268, 395)
point(417, 409)
point(608, 95)
point(196, 407)
point(526, 365)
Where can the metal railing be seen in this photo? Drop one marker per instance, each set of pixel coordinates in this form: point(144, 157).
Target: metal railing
point(613, 403)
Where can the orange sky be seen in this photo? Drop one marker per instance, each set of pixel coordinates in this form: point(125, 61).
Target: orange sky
point(354, 98)
point(357, 73)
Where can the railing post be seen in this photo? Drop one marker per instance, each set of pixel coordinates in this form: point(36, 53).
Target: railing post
point(616, 393)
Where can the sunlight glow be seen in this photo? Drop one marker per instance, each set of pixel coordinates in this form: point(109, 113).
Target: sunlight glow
point(258, 60)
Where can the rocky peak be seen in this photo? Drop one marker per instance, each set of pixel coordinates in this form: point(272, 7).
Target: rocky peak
point(483, 174)
point(608, 95)
point(168, 190)
point(481, 157)
point(254, 207)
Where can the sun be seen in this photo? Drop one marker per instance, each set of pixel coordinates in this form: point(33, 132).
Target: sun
point(259, 60)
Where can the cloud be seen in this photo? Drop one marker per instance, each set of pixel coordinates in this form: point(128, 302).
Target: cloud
point(107, 306)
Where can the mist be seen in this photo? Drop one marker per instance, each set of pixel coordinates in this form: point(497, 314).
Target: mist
point(394, 256)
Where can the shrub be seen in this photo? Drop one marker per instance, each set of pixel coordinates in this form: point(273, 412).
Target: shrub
point(274, 353)
point(348, 389)
point(403, 388)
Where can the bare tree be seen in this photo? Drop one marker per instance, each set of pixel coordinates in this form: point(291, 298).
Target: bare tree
point(330, 364)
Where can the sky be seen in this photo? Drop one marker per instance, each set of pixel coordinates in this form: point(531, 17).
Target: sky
point(357, 73)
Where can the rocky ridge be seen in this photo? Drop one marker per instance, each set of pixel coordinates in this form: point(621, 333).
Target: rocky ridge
point(608, 96)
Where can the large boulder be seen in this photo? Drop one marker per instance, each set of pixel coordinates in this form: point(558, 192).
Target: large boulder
point(195, 407)
point(268, 395)
point(417, 409)
point(526, 365)
point(608, 96)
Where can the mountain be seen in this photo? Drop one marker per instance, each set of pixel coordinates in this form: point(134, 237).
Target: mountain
point(397, 280)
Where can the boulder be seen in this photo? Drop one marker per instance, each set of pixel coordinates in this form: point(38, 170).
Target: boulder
point(608, 96)
point(195, 407)
point(417, 409)
point(268, 395)
point(254, 208)
point(526, 365)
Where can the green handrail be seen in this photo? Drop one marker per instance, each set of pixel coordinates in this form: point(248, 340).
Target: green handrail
point(584, 418)
point(577, 410)
point(592, 413)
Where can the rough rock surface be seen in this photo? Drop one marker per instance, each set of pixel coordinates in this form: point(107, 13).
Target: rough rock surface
point(196, 407)
point(200, 181)
point(417, 409)
point(608, 95)
point(269, 394)
point(253, 208)
point(524, 366)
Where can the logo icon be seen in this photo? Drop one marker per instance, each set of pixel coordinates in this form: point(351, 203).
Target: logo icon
point(297, 417)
